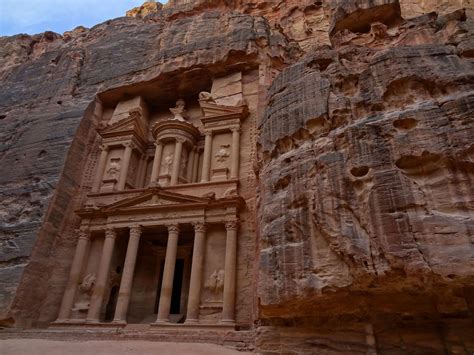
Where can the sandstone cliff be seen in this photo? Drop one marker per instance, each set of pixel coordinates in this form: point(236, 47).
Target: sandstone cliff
point(365, 166)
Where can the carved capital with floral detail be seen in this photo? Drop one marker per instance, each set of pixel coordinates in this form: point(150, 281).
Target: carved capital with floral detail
point(200, 227)
point(130, 145)
point(232, 225)
point(104, 147)
point(83, 234)
point(180, 140)
point(110, 233)
point(173, 228)
point(136, 231)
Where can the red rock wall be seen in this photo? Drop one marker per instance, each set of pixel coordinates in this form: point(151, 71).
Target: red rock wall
point(366, 194)
point(365, 198)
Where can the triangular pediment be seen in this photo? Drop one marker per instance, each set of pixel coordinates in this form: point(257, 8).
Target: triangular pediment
point(212, 109)
point(156, 198)
point(132, 124)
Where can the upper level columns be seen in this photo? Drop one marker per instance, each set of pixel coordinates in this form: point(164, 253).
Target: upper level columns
point(206, 164)
point(101, 168)
point(126, 163)
point(155, 172)
point(74, 276)
point(235, 154)
point(127, 275)
point(176, 161)
point(228, 309)
point(168, 274)
point(99, 288)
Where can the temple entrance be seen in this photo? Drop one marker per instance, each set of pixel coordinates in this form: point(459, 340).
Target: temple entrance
point(177, 287)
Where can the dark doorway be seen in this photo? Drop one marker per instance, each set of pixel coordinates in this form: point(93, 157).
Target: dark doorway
point(177, 287)
point(110, 309)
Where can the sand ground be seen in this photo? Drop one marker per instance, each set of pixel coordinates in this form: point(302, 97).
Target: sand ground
point(53, 347)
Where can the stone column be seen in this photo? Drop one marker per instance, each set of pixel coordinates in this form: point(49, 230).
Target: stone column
point(125, 164)
point(194, 299)
point(168, 274)
point(127, 275)
point(196, 165)
point(228, 309)
point(176, 162)
point(235, 154)
point(206, 164)
point(189, 167)
point(74, 276)
point(155, 172)
point(101, 168)
point(99, 288)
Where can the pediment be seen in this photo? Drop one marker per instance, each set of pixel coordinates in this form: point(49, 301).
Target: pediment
point(156, 198)
point(132, 124)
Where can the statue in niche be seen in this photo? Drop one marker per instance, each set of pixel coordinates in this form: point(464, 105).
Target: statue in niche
point(86, 287)
point(179, 111)
point(167, 164)
point(206, 97)
point(114, 168)
point(215, 284)
point(222, 155)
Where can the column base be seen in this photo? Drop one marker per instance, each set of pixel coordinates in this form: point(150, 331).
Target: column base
point(92, 321)
point(119, 322)
point(161, 321)
point(191, 321)
point(227, 321)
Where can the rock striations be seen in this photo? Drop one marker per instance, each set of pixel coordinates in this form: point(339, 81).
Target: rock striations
point(363, 161)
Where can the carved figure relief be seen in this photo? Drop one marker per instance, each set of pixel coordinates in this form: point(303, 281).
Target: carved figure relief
point(206, 97)
point(179, 111)
point(222, 155)
point(114, 169)
point(86, 287)
point(215, 284)
point(168, 161)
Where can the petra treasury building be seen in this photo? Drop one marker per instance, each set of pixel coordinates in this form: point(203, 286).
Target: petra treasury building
point(277, 177)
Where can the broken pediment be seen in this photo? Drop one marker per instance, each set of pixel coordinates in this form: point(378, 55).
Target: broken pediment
point(210, 108)
point(131, 125)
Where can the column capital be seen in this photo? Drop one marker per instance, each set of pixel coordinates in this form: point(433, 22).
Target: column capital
point(110, 233)
point(232, 224)
point(173, 228)
point(180, 140)
point(136, 231)
point(235, 129)
point(157, 143)
point(104, 147)
point(207, 132)
point(83, 234)
point(130, 145)
point(200, 227)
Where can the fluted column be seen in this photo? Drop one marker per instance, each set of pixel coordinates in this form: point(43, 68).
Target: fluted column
point(168, 274)
point(176, 162)
point(127, 275)
point(235, 154)
point(125, 165)
point(155, 172)
point(74, 276)
point(206, 164)
point(101, 168)
point(104, 266)
point(195, 165)
point(194, 298)
point(228, 309)
point(189, 167)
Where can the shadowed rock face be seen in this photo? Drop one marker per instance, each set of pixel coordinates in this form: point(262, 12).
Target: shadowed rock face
point(365, 195)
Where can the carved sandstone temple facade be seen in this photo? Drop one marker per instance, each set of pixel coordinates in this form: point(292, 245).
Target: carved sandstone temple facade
point(159, 229)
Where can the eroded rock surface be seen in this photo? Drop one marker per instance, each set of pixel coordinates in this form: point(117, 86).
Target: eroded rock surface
point(366, 184)
point(365, 195)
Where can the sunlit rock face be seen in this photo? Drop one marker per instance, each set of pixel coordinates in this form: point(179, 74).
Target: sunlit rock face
point(362, 153)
